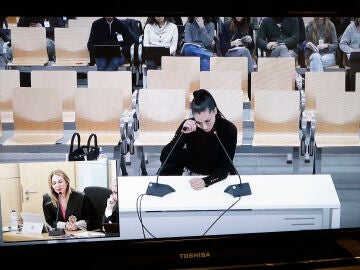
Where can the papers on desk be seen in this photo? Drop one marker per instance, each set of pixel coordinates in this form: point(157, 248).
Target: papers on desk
point(87, 234)
point(6, 229)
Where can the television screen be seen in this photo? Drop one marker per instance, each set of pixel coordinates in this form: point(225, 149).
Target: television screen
point(289, 197)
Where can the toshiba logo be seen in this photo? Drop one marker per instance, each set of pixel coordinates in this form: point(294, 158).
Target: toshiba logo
point(195, 255)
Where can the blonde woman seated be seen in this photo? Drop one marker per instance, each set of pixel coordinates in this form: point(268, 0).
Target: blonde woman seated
point(66, 208)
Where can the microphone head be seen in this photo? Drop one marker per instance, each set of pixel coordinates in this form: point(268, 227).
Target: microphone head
point(184, 129)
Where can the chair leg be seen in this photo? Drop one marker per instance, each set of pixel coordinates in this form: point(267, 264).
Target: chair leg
point(120, 161)
point(142, 165)
point(123, 166)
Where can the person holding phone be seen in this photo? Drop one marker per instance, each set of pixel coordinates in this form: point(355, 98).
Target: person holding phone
point(199, 40)
point(111, 214)
point(237, 39)
point(198, 152)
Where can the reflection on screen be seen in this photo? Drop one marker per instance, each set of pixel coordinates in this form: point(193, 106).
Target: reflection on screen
point(291, 185)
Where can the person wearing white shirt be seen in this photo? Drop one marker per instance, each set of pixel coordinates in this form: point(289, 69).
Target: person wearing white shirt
point(160, 31)
point(111, 214)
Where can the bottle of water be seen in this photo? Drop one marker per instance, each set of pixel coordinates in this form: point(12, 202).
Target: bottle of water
point(4, 48)
point(14, 220)
point(102, 156)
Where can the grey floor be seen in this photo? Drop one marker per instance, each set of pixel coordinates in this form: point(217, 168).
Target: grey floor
point(343, 165)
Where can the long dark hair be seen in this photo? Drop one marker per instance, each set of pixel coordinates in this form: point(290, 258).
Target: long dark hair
point(206, 19)
point(151, 20)
point(204, 100)
point(242, 26)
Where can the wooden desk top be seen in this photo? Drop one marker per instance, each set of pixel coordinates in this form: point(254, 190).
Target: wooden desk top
point(30, 236)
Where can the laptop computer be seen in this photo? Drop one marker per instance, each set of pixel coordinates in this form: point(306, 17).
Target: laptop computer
point(33, 223)
point(107, 51)
point(354, 62)
point(355, 57)
point(111, 229)
point(155, 53)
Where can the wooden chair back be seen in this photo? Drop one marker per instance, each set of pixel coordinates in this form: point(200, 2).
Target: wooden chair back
point(317, 83)
point(99, 110)
point(64, 79)
point(222, 80)
point(172, 79)
point(233, 63)
point(337, 119)
point(38, 118)
point(120, 80)
point(9, 79)
point(71, 46)
point(160, 114)
point(188, 63)
point(29, 46)
point(276, 118)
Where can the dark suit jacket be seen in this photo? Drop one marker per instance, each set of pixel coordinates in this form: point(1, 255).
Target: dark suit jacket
point(114, 218)
point(78, 205)
point(101, 33)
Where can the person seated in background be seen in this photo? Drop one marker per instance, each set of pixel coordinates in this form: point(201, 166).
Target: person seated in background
point(321, 43)
point(237, 39)
point(198, 151)
point(301, 43)
point(199, 40)
point(160, 31)
point(340, 25)
point(110, 31)
point(5, 43)
point(279, 36)
point(350, 40)
point(49, 23)
point(111, 214)
point(64, 207)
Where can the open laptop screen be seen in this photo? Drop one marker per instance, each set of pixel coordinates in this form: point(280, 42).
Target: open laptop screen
point(155, 53)
point(107, 51)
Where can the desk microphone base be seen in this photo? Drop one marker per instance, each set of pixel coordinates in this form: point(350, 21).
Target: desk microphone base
point(158, 190)
point(239, 190)
point(56, 232)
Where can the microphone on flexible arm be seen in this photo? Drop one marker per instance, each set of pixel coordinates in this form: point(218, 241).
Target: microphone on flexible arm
point(57, 231)
point(236, 190)
point(160, 190)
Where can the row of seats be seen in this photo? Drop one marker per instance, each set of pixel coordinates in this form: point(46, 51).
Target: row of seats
point(29, 46)
point(334, 79)
point(276, 119)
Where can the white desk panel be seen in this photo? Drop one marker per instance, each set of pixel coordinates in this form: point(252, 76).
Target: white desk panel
point(277, 203)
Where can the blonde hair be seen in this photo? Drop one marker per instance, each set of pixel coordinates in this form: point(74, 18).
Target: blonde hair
point(53, 194)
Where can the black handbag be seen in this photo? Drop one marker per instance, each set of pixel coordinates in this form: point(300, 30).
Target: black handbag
point(90, 151)
point(77, 154)
point(92, 148)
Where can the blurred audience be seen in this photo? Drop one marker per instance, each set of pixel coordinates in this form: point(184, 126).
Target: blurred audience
point(5, 43)
point(199, 40)
point(321, 43)
point(279, 36)
point(237, 39)
point(49, 23)
point(110, 31)
point(350, 40)
point(160, 31)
